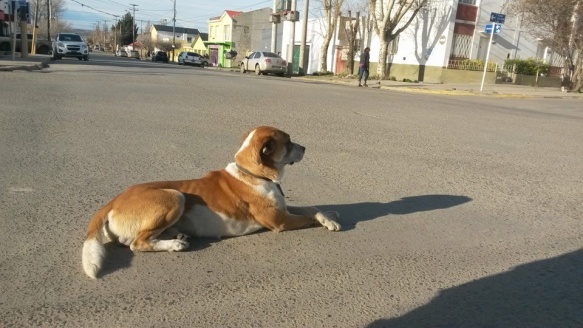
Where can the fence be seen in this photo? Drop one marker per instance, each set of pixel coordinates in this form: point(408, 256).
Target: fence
point(471, 65)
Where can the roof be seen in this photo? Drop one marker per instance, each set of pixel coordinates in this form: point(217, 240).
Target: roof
point(232, 13)
point(204, 36)
point(186, 30)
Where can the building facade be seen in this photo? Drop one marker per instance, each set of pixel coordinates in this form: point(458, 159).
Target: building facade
point(220, 38)
point(444, 35)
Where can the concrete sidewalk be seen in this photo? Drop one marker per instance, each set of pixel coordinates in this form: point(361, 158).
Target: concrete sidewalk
point(458, 89)
point(32, 62)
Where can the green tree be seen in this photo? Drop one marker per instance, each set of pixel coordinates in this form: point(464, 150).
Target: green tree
point(124, 26)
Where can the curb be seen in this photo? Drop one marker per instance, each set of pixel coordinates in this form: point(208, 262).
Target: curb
point(32, 67)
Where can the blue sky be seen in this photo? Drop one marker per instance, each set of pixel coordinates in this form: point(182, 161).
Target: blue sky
point(84, 14)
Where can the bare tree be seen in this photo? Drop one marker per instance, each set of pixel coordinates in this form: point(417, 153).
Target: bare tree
point(331, 14)
point(145, 39)
point(57, 7)
point(390, 18)
point(558, 24)
point(167, 45)
point(351, 31)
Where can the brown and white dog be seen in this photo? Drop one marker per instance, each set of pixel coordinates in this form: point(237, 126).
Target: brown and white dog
point(237, 200)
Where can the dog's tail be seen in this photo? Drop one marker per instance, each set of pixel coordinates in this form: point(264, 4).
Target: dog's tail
point(93, 249)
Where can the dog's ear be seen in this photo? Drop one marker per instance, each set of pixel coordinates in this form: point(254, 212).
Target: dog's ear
point(267, 149)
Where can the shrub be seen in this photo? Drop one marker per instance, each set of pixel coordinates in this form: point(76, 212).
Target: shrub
point(528, 66)
point(324, 73)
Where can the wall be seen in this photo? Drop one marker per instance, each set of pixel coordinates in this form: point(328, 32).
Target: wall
point(544, 82)
point(252, 32)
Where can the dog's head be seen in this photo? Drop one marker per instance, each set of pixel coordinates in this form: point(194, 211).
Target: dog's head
point(265, 152)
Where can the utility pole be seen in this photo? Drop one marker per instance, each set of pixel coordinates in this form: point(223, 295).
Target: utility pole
point(115, 37)
point(302, 70)
point(104, 34)
point(98, 34)
point(48, 20)
point(133, 23)
point(34, 36)
point(290, 52)
point(23, 32)
point(274, 28)
point(174, 31)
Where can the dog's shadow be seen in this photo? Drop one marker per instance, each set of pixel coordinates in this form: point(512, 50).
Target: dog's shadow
point(121, 256)
point(351, 214)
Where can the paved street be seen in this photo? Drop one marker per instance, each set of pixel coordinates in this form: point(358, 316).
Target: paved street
point(457, 211)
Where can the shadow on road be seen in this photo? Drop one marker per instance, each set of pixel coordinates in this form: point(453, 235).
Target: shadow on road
point(547, 293)
point(120, 256)
point(351, 214)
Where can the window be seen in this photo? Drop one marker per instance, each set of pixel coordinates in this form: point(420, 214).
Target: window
point(227, 33)
point(189, 39)
point(468, 2)
point(257, 55)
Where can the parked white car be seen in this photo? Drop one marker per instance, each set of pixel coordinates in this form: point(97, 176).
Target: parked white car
point(133, 54)
point(121, 53)
point(264, 62)
point(192, 58)
point(70, 45)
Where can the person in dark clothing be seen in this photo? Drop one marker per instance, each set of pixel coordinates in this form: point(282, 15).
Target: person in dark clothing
point(363, 66)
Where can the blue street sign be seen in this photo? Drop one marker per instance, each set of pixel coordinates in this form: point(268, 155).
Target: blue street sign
point(497, 29)
point(497, 18)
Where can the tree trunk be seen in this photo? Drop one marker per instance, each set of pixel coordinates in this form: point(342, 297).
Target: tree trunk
point(324, 53)
point(578, 76)
point(383, 53)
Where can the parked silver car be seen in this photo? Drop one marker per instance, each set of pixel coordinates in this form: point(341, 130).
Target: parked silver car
point(263, 62)
point(192, 58)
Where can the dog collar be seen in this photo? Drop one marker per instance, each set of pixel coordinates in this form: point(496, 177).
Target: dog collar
point(244, 170)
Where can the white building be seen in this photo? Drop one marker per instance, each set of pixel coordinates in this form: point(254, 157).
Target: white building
point(443, 35)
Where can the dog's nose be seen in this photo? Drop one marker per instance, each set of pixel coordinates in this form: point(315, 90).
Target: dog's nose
point(303, 148)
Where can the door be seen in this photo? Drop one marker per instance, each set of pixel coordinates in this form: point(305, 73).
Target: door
point(214, 56)
point(297, 58)
point(483, 49)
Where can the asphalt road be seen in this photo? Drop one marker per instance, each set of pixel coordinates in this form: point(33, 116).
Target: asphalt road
point(457, 211)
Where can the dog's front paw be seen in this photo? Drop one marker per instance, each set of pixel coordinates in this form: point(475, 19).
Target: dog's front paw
point(327, 220)
point(178, 245)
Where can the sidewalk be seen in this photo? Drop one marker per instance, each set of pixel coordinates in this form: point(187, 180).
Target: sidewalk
point(456, 89)
point(32, 62)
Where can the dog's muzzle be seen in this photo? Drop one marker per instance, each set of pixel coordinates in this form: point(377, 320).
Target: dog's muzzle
point(296, 153)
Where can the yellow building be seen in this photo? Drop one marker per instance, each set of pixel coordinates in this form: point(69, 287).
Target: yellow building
point(199, 46)
point(220, 38)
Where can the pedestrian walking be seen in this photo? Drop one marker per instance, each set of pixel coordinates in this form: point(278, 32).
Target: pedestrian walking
point(363, 67)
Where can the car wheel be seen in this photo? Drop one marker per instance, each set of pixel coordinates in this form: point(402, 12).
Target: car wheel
point(43, 50)
point(80, 58)
point(281, 74)
point(203, 64)
point(243, 70)
point(5, 46)
point(85, 58)
point(257, 69)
